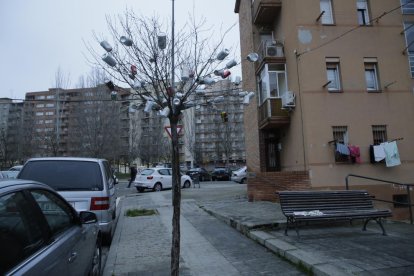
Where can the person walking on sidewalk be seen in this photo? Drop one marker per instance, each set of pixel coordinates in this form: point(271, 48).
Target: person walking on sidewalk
point(133, 174)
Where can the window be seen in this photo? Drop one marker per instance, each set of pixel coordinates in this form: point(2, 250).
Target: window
point(332, 72)
point(40, 105)
point(407, 7)
point(50, 105)
point(379, 133)
point(272, 82)
point(362, 10)
point(371, 76)
point(58, 215)
point(400, 201)
point(39, 113)
point(50, 97)
point(409, 40)
point(50, 113)
point(326, 8)
point(20, 228)
point(340, 135)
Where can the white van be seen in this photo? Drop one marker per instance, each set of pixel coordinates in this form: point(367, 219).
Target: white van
point(86, 183)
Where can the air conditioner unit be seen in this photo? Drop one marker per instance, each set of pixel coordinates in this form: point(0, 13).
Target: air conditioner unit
point(271, 51)
point(288, 99)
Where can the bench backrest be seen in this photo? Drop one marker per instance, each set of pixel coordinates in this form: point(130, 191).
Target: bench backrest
point(296, 201)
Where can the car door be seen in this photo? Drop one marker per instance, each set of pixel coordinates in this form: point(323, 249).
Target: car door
point(75, 242)
point(42, 245)
point(165, 177)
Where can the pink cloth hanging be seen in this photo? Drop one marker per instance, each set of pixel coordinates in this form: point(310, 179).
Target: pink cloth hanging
point(355, 154)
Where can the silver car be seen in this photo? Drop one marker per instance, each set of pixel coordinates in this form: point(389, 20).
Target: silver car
point(239, 176)
point(86, 183)
point(41, 233)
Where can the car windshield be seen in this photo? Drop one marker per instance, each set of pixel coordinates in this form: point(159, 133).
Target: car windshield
point(64, 175)
point(147, 172)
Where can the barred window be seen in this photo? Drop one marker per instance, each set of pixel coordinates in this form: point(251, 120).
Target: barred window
point(340, 134)
point(379, 134)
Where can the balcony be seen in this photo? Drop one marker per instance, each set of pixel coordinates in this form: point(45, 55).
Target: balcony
point(265, 11)
point(271, 114)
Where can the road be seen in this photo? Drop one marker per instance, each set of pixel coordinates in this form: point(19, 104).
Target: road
point(208, 246)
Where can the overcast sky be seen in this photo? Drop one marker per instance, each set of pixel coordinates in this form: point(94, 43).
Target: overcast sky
point(39, 36)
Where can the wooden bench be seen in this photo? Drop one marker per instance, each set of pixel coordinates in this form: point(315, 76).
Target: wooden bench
point(307, 206)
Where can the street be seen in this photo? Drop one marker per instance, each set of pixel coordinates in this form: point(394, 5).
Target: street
point(208, 246)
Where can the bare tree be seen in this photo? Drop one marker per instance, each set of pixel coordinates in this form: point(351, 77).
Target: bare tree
point(164, 73)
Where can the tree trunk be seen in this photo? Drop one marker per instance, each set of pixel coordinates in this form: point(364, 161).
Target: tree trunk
point(176, 198)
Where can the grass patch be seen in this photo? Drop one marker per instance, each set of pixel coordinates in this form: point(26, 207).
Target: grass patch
point(140, 212)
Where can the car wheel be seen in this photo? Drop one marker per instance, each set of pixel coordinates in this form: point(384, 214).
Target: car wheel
point(243, 181)
point(96, 261)
point(107, 238)
point(157, 187)
point(187, 184)
point(140, 190)
point(114, 214)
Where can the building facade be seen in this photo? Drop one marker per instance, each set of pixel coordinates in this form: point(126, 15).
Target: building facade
point(11, 131)
point(218, 127)
point(331, 73)
point(77, 122)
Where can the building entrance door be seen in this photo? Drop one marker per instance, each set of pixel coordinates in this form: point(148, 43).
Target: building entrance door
point(272, 155)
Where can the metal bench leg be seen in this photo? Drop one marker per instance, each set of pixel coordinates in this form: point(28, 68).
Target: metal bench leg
point(297, 230)
point(379, 221)
point(364, 228)
point(287, 226)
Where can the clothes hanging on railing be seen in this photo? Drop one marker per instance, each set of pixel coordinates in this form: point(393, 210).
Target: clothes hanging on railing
point(355, 154)
point(392, 157)
point(379, 152)
point(342, 149)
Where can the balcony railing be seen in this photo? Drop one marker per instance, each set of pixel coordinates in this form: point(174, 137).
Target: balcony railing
point(265, 11)
point(271, 114)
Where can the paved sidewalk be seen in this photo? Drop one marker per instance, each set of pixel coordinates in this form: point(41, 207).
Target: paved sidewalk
point(341, 249)
point(336, 250)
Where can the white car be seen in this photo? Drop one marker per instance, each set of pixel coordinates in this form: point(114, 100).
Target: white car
point(240, 175)
point(158, 179)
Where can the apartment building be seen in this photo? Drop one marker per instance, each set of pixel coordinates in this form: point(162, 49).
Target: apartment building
point(11, 116)
point(218, 127)
point(77, 122)
point(332, 76)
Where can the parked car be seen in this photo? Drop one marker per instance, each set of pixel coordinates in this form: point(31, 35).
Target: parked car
point(239, 175)
point(8, 174)
point(220, 173)
point(202, 174)
point(16, 168)
point(42, 234)
point(158, 179)
point(86, 183)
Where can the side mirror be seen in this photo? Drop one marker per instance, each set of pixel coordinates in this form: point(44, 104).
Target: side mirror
point(87, 217)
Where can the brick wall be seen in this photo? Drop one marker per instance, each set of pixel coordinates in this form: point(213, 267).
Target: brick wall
point(263, 186)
